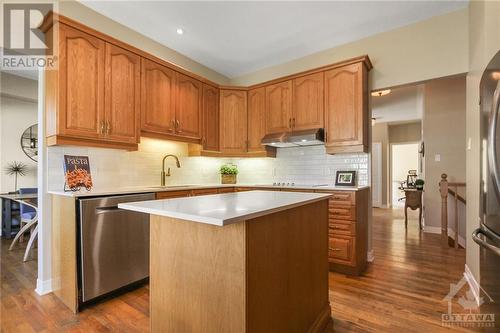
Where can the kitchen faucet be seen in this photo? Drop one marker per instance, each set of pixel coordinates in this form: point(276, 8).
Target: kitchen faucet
point(167, 174)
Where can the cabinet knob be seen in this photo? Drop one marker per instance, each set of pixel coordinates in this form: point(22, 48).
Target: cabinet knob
point(178, 125)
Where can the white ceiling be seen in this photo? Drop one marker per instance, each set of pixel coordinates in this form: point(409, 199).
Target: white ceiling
point(401, 105)
point(236, 38)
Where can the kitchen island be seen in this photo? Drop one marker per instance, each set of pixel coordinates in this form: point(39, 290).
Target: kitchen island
point(253, 261)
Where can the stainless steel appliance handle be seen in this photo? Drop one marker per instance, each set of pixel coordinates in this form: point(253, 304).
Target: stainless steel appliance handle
point(109, 209)
point(492, 140)
point(483, 230)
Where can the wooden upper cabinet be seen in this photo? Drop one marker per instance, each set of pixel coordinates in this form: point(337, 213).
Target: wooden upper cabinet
point(81, 84)
point(279, 107)
point(233, 121)
point(188, 107)
point(346, 112)
point(122, 94)
point(210, 107)
point(308, 102)
point(157, 98)
point(256, 118)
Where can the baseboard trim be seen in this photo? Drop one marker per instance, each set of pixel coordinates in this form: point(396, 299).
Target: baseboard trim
point(451, 234)
point(473, 285)
point(43, 287)
point(370, 257)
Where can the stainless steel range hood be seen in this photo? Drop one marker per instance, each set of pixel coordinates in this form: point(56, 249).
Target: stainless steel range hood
point(310, 137)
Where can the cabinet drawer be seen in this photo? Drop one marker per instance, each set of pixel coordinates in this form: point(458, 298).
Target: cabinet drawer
point(226, 189)
point(172, 194)
point(342, 213)
point(243, 189)
point(341, 249)
point(338, 227)
point(343, 198)
point(205, 191)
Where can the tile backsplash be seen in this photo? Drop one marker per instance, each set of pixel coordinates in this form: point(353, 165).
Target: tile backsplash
point(112, 168)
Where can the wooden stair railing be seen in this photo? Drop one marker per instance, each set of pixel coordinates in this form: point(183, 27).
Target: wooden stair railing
point(446, 188)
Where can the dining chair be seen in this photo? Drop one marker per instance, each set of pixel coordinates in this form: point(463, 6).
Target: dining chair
point(29, 221)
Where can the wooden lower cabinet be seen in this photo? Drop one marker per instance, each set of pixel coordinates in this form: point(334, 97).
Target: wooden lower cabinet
point(173, 194)
point(347, 228)
point(348, 231)
point(204, 191)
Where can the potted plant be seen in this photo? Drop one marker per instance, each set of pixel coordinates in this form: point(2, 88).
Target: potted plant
point(419, 184)
point(228, 173)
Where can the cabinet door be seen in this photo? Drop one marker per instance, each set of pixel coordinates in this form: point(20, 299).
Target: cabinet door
point(122, 94)
point(256, 118)
point(345, 108)
point(279, 107)
point(210, 139)
point(157, 98)
point(308, 102)
point(81, 73)
point(188, 107)
point(233, 121)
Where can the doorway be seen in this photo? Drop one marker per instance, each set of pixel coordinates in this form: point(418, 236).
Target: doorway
point(404, 157)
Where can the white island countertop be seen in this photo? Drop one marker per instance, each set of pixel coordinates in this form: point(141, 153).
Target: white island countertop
point(224, 209)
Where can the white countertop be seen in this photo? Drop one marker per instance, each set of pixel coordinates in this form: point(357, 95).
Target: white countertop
point(147, 189)
point(224, 209)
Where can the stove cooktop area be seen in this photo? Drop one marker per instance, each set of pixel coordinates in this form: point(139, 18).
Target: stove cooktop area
point(292, 184)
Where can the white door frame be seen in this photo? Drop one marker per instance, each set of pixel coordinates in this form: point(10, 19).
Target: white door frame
point(377, 149)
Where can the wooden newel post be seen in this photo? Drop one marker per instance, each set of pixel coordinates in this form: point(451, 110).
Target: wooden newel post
point(443, 189)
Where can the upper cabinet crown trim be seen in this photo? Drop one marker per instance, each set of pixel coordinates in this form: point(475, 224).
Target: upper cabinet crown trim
point(52, 18)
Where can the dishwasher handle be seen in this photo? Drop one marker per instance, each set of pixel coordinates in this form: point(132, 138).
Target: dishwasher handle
point(109, 209)
point(487, 234)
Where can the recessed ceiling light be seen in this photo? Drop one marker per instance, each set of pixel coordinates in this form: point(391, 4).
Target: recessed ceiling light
point(381, 92)
point(180, 31)
point(303, 140)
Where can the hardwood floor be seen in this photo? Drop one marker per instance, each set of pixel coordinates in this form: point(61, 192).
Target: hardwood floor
point(401, 291)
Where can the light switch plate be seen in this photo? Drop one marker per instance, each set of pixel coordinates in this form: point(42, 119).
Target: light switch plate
point(437, 157)
point(469, 143)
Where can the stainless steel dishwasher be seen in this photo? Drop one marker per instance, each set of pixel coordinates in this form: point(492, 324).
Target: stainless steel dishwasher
point(113, 245)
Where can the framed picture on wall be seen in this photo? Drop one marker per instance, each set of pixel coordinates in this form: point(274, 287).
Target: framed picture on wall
point(345, 178)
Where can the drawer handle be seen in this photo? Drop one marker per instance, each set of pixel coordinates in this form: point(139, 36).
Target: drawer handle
point(334, 249)
point(336, 227)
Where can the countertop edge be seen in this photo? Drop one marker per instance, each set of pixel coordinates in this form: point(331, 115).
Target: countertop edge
point(196, 187)
point(220, 222)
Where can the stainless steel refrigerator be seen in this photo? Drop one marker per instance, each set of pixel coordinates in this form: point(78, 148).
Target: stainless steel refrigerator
point(488, 235)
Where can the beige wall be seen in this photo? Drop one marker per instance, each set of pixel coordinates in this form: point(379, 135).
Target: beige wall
point(444, 134)
point(429, 49)
point(18, 111)
point(484, 39)
point(19, 87)
point(380, 133)
point(406, 132)
point(87, 16)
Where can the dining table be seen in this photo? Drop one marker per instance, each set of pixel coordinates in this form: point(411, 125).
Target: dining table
point(10, 210)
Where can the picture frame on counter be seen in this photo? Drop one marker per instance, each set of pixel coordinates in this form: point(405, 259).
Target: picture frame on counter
point(345, 178)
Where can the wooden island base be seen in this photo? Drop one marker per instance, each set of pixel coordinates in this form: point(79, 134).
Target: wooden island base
point(268, 274)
